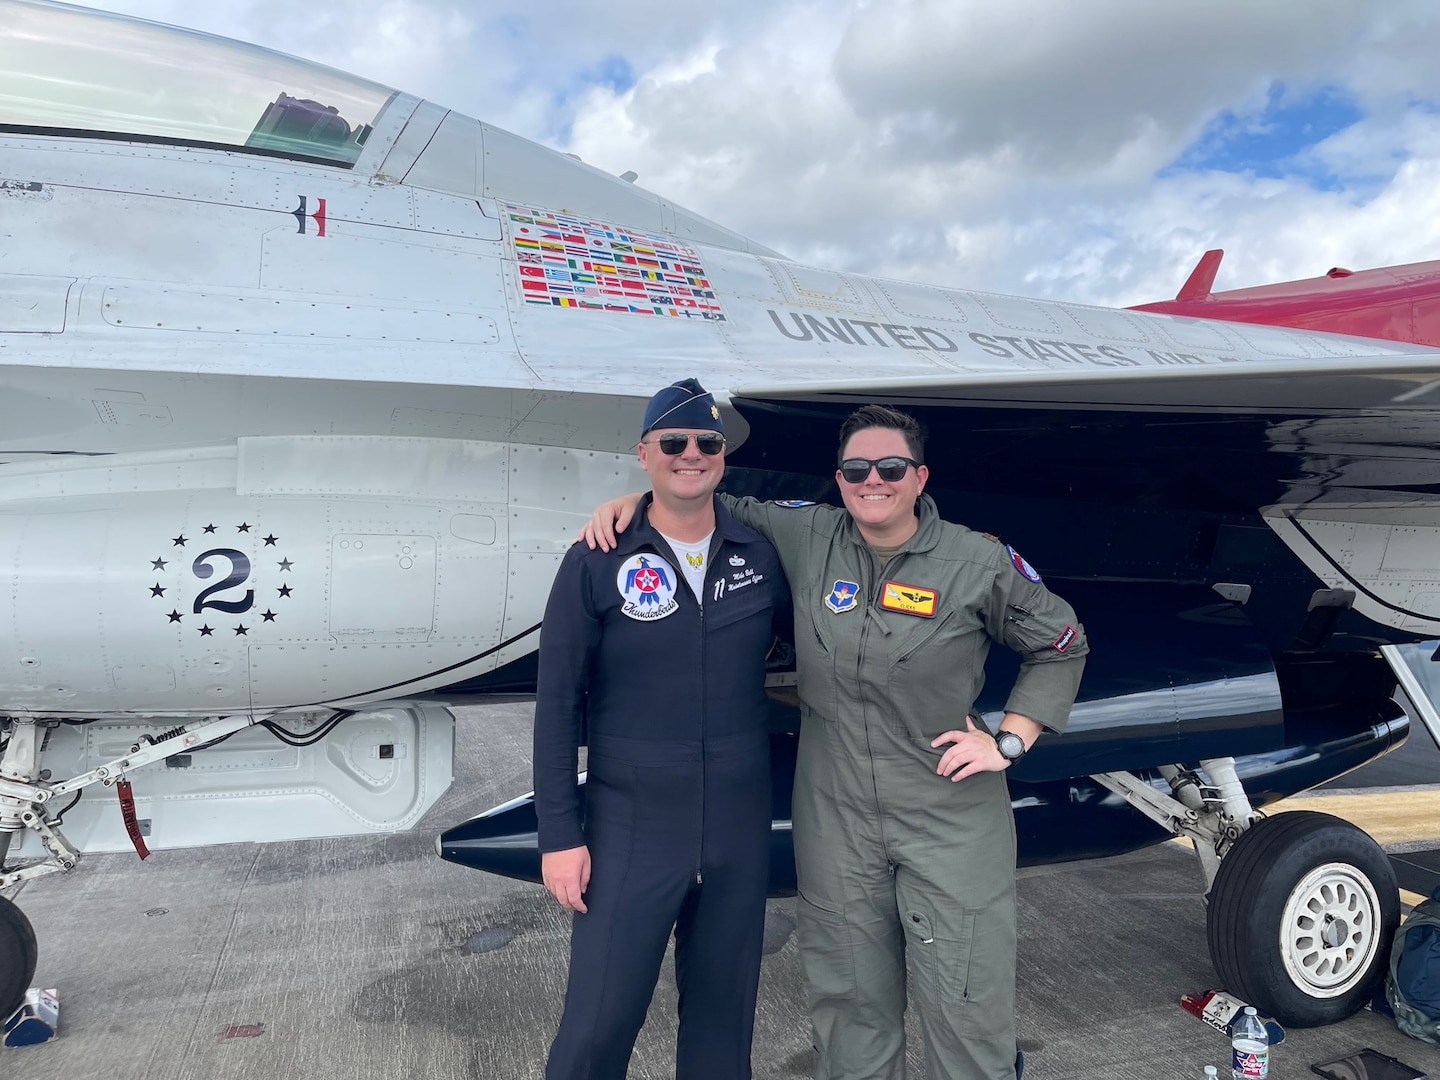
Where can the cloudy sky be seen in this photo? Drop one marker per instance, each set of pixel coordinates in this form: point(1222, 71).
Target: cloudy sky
point(1078, 151)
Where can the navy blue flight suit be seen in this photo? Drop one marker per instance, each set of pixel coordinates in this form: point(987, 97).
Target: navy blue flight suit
point(677, 801)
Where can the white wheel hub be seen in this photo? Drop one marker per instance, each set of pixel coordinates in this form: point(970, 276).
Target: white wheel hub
point(1330, 929)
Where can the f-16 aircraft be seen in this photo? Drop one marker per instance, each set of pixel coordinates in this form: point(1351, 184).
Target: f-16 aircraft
point(306, 385)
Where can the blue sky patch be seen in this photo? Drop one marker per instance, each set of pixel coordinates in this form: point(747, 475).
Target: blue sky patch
point(612, 71)
point(1273, 142)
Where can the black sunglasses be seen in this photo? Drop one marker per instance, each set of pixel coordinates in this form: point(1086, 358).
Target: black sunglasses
point(673, 443)
point(856, 470)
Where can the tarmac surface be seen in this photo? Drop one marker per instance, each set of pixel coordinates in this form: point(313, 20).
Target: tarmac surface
point(369, 957)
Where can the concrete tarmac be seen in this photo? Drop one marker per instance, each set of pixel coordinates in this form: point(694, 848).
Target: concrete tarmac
point(371, 958)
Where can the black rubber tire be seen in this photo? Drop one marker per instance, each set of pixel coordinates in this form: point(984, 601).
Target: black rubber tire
point(18, 954)
point(1246, 910)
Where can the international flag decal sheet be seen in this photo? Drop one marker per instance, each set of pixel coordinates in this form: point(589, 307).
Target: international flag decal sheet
point(569, 262)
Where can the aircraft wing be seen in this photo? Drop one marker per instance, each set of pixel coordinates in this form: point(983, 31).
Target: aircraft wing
point(1390, 383)
point(1336, 456)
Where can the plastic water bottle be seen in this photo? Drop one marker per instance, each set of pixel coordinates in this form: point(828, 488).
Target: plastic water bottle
point(1212, 1073)
point(1249, 1047)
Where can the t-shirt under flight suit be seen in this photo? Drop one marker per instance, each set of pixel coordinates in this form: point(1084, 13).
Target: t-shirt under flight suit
point(892, 858)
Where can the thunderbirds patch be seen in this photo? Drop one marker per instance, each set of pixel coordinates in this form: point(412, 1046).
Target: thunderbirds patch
point(793, 504)
point(647, 585)
point(909, 599)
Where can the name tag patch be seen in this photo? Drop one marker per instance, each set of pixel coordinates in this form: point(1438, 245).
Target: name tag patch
point(1061, 643)
point(909, 599)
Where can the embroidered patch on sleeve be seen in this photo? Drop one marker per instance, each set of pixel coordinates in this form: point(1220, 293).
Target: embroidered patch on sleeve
point(1061, 643)
point(1025, 569)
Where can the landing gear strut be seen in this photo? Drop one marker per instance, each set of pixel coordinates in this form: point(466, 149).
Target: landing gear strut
point(1301, 908)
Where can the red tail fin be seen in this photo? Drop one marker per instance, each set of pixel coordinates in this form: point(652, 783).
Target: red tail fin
point(1401, 303)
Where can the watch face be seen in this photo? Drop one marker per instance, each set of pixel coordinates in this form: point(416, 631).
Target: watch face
point(1010, 745)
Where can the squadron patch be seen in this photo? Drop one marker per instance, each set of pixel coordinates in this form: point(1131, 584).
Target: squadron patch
point(793, 504)
point(842, 596)
point(908, 599)
point(647, 585)
point(1025, 569)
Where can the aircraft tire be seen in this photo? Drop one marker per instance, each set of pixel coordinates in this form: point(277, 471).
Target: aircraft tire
point(1301, 917)
point(18, 954)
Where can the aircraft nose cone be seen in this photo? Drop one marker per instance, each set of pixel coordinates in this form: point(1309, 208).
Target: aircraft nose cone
point(501, 841)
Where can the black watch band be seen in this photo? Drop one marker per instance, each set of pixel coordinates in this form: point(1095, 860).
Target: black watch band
point(1010, 745)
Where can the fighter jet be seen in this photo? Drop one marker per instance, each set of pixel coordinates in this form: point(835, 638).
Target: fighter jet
point(306, 385)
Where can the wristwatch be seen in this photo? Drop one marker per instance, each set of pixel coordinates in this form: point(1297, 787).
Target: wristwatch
point(1010, 745)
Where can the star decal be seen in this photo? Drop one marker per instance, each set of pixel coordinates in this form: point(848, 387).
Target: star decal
point(241, 631)
point(270, 540)
point(156, 590)
point(285, 564)
point(157, 564)
point(244, 526)
point(175, 616)
point(284, 590)
point(179, 541)
point(268, 615)
point(205, 631)
point(209, 528)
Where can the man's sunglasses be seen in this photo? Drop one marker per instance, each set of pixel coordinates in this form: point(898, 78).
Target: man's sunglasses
point(673, 443)
point(856, 470)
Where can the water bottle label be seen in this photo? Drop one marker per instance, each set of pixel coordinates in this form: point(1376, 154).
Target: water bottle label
point(1249, 1064)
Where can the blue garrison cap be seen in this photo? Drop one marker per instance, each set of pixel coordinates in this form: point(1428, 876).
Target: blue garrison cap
point(683, 404)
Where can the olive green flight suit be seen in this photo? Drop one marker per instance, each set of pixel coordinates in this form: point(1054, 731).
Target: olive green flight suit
point(894, 860)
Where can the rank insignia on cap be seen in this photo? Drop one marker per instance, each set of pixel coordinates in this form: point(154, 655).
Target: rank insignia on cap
point(1025, 569)
point(842, 596)
point(909, 599)
point(647, 585)
point(714, 413)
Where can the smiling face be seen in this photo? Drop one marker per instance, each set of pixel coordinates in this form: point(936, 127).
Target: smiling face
point(685, 479)
point(884, 510)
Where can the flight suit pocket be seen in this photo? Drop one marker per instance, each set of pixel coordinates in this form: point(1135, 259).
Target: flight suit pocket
point(940, 953)
point(826, 955)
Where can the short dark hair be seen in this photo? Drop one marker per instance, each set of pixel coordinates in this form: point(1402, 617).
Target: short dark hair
point(882, 416)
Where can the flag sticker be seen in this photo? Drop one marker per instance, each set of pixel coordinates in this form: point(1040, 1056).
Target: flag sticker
point(602, 267)
point(909, 599)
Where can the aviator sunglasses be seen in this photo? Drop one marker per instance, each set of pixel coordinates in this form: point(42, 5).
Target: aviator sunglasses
point(856, 470)
point(673, 443)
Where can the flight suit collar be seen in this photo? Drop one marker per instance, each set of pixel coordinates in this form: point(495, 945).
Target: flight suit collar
point(925, 538)
point(641, 534)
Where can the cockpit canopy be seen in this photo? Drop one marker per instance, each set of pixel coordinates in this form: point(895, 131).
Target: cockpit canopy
point(84, 72)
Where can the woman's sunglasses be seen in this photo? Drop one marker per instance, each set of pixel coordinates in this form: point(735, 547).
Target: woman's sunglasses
point(673, 443)
point(856, 470)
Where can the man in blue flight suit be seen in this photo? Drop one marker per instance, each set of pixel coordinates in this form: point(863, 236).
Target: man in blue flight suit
point(658, 647)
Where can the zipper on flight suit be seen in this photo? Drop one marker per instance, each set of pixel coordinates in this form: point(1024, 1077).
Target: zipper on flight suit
point(683, 584)
point(716, 544)
point(877, 578)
